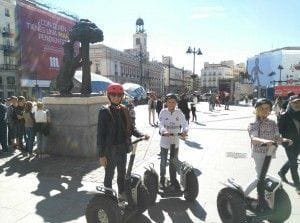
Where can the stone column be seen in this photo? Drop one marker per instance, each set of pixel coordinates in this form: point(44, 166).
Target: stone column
point(73, 128)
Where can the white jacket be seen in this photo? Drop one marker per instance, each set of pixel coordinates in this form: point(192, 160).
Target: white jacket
point(171, 122)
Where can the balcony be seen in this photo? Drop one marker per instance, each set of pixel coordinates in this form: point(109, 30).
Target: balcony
point(7, 32)
point(8, 67)
point(8, 49)
point(11, 86)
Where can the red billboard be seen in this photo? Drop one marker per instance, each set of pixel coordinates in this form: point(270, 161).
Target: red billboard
point(282, 90)
point(41, 38)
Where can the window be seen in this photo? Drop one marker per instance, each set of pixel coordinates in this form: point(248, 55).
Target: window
point(10, 80)
point(97, 68)
point(137, 41)
point(7, 13)
point(0, 80)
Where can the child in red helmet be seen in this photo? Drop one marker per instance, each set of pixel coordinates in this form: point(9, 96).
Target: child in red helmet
point(115, 128)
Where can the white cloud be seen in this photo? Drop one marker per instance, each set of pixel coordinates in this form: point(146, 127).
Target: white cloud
point(207, 11)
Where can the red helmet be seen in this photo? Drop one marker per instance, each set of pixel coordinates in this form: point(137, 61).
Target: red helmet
point(115, 88)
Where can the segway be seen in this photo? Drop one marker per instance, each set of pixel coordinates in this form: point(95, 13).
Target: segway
point(188, 186)
point(105, 207)
point(235, 207)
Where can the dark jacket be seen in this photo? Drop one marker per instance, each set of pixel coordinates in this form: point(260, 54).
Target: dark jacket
point(288, 129)
point(3, 116)
point(106, 130)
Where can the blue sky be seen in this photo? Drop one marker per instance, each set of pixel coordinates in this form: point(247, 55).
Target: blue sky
point(222, 29)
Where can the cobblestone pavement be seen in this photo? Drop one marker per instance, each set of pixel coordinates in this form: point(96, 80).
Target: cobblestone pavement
point(57, 189)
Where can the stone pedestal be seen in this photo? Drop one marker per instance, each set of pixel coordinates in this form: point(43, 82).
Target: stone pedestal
point(73, 125)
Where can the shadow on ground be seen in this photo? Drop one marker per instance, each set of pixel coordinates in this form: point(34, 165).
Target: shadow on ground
point(59, 182)
point(176, 209)
point(193, 144)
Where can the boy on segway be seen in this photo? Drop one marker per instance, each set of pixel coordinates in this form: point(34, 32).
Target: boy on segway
point(171, 122)
point(115, 128)
point(262, 131)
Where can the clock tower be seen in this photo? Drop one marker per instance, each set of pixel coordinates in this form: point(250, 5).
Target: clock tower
point(140, 37)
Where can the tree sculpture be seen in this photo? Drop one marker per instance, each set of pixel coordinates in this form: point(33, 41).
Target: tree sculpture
point(84, 32)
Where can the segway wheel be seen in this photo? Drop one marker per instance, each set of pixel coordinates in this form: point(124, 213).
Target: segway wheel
point(192, 187)
point(231, 206)
point(282, 208)
point(151, 183)
point(142, 199)
point(103, 209)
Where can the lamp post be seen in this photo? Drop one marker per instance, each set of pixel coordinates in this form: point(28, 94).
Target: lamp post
point(36, 86)
point(194, 52)
point(280, 68)
point(141, 57)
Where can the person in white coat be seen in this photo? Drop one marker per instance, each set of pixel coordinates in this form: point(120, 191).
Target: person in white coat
point(171, 121)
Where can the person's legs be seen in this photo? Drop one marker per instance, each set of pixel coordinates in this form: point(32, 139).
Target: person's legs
point(121, 169)
point(253, 184)
point(292, 154)
point(153, 116)
point(149, 115)
point(109, 171)
point(172, 168)
point(3, 139)
point(163, 164)
point(30, 135)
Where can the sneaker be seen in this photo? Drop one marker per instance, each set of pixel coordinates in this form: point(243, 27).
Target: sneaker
point(282, 177)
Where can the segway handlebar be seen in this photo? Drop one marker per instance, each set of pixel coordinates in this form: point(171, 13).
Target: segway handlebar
point(271, 148)
point(138, 140)
point(273, 144)
point(172, 134)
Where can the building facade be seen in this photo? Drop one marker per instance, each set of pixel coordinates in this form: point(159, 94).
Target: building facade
point(212, 73)
point(8, 60)
point(275, 67)
point(123, 67)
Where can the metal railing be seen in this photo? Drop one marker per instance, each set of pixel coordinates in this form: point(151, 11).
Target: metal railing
point(8, 67)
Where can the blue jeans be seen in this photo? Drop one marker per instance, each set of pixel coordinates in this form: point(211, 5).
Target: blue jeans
point(29, 138)
point(163, 162)
point(117, 158)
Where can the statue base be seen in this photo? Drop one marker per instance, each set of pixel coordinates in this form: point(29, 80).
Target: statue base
point(74, 121)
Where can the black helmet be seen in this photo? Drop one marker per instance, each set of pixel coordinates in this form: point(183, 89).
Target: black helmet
point(171, 96)
point(262, 101)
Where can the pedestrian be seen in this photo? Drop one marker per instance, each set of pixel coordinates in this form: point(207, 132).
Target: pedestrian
point(277, 106)
point(193, 109)
point(151, 108)
point(171, 121)
point(3, 127)
point(29, 122)
point(289, 127)
point(41, 128)
point(12, 122)
point(115, 128)
point(262, 130)
point(226, 100)
point(20, 123)
point(286, 102)
point(183, 106)
point(159, 106)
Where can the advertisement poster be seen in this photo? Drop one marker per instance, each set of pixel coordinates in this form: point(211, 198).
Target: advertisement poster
point(41, 38)
point(264, 68)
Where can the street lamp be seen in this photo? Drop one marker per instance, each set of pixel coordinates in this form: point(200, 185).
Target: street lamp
point(280, 68)
point(194, 52)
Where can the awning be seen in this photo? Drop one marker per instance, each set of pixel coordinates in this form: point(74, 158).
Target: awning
point(98, 82)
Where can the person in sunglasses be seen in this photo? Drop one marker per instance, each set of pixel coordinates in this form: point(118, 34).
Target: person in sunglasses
point(115, 128)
